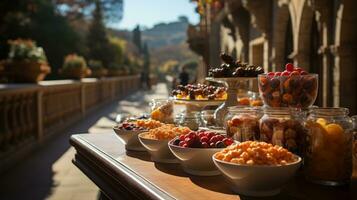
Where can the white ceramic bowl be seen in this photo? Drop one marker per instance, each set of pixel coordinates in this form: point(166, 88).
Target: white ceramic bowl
point(130, 139)
point(158, 149)
point(257, 180)
point(196, 161)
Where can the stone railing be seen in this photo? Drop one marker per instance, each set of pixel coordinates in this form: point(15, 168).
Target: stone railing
point(31, 112)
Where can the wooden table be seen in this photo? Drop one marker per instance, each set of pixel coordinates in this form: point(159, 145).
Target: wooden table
point(123, 175)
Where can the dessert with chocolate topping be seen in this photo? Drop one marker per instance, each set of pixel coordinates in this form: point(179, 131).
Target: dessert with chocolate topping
point(234, 68)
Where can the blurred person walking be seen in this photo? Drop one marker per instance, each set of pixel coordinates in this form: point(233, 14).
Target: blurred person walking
point(184, 76)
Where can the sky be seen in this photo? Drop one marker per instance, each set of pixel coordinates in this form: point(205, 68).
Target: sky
point(150, 12)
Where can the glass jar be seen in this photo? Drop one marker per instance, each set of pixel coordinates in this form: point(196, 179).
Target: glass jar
point(242, 123)
point(284, 127)
point(162, 110)
point(328, 158)
point(354, 141)
point(192, 120)
point(207, 118)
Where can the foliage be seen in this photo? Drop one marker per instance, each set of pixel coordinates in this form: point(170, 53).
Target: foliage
point(169, 67)
point(118, 46)
point(75, 9)
point(37, 19)
point(97, 40)
point(95, 64)
point(73, 61)
point(25, 50)
point(215, 5)
point(137, 37)
point(180, 53)
point(65, 26)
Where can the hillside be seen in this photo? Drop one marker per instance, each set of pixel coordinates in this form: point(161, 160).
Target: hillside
point(166, 42)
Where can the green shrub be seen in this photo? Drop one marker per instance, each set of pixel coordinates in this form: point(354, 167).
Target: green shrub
point(95, 64)
point(72, 61)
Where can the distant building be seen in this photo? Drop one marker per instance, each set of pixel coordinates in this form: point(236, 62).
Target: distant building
point(317, 35)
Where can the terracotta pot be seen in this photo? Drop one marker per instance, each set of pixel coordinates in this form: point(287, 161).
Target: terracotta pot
point(75, 73)
point(26, 71)
point(98, 73)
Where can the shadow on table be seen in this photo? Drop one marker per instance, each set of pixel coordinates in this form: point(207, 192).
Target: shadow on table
point(214, 183)
point(145, 156)
point(173, 169)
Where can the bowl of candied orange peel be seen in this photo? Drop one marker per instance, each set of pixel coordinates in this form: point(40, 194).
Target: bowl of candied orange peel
point(256, 168)
point(128, 131)
point(156, 141)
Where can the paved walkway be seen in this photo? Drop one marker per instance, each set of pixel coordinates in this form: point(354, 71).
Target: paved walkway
point(49, 174)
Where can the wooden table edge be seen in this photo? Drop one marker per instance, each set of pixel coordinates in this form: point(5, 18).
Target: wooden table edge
point(120, 176)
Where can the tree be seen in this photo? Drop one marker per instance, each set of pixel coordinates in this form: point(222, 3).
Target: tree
point(118, 46)
point(137, 38)
point(74, 9)
point(97, 40)
point(37, 20)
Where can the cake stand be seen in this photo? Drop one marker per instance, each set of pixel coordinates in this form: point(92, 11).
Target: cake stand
point(233, 85)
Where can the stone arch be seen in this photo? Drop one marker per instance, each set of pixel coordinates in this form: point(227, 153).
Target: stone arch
point(241, 19)
point(307, 45)
point(282, 32)
point(345, 71)
point(302, 38)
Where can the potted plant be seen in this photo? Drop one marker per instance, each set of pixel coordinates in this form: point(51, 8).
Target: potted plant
point(26, 62)
point(97, 69)
point(117, 70)
point(75, 67)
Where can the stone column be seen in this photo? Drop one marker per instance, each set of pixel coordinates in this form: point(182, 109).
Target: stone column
point(345, 87)
point(261, 16)
point(324, 18)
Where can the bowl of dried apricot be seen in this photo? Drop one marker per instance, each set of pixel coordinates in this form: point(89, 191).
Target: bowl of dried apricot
point(256, 168)
point(156, 141)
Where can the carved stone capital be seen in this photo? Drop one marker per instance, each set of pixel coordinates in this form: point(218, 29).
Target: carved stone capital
point(323, 8)
point(324, 50)
point(344, 50)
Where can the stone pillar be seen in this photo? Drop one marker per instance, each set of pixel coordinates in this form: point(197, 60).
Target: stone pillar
point(324, 18)
point(215, 45)
point(261, 12)
point(39, 100)
point(345, 72)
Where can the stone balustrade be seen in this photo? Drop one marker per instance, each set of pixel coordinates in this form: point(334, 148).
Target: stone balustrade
point(31, 112)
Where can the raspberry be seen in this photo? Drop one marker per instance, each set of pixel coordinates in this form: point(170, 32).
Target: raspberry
point(289, 67)
point(303, 73)
point(271, 74)
point(285, 73)
point(204, 145)
point(182, 143)
point(299, 69)
point(182, 137)
point(294, 73)
point(204, 139)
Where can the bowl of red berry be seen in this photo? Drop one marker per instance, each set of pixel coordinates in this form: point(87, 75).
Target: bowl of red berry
point(293, 87)
point(128, 134)
point(195, 150)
